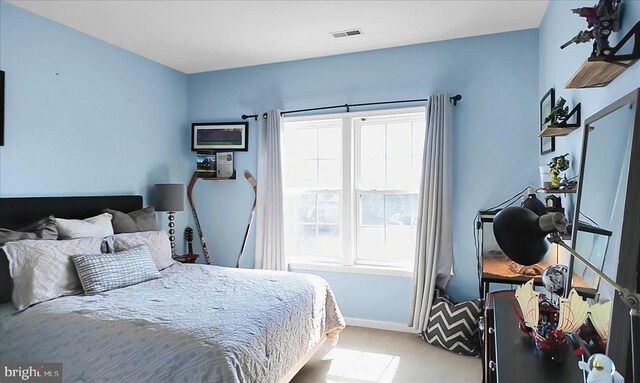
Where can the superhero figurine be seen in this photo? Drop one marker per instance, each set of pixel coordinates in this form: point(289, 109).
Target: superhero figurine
point(602, 19)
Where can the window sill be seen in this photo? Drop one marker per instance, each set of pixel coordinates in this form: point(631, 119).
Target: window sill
point(355, 269)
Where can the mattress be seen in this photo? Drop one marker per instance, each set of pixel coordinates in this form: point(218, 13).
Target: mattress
point(196, 324)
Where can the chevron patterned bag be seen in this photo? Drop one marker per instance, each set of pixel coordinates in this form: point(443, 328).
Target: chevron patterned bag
point(454, 326)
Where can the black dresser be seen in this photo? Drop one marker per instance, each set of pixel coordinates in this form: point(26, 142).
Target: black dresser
point(509, 354)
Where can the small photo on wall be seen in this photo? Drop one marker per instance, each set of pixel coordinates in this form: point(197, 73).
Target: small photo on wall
point(220, 136)
point(206, 164)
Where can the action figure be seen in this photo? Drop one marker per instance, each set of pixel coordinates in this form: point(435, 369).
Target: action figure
point(557, 165)
point(559, 113)
point(602, 19)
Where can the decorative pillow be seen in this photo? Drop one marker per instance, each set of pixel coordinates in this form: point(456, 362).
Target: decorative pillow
point(136, 221)
point(157, 242)
point(44, 228)
point(454, 326)
point(104, 272)
point(98, 226)
point(43, 270)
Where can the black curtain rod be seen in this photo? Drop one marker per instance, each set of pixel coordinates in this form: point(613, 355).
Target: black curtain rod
point(455, 100)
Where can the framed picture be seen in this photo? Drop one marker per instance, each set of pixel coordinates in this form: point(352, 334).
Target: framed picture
point(206, 165)
point(224, 164)
point(547, 144)
point(220, 136)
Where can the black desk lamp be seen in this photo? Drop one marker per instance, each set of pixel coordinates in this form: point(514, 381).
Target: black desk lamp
point(521, 234)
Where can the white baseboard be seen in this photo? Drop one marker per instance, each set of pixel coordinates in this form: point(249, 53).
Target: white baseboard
point(379, 325)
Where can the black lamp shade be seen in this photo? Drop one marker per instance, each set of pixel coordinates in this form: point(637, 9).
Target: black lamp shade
point(169, 197)
point(518, 233)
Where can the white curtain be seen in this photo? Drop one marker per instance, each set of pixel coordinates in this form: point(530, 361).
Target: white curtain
point(270, 204)
point(434, 243)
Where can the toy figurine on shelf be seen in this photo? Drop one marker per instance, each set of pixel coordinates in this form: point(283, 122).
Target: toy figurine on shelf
point(559, 113)
point(601, 370)
point(557, 165)
point(602, 19)
point(554, 279)
point(547, 323)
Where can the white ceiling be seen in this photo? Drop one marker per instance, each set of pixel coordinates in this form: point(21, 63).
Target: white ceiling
point(198, 36)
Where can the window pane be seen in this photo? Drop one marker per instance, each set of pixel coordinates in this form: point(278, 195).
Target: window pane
point(300, 144)
point(313, 156)
point(329, 208)
point(418, 152)
point(306, 239)
point(387, 228)
point(312, 225)
point(301, 173)
point(401, 242)
point(305, 206)
point(328, 241)
point(371, 243)
point(399, 155)
point(399, 210)
point(372, 156)
point(330, 143)
point(329, 174)
point(372, 209)
point(415, 205)
point(312, 164)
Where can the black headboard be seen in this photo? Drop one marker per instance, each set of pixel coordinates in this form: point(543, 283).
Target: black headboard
point(17, 212)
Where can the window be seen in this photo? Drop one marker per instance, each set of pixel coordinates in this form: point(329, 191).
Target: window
point(351, 186)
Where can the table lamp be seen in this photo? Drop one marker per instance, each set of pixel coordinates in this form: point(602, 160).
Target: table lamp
point(170, 198)
point(521, 234)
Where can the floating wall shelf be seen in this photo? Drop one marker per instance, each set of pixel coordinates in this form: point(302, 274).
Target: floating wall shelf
point(563, 128)
point(233, 177)
point(599, 71)
point(556, 191)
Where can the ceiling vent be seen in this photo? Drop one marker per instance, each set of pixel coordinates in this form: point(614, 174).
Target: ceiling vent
point(347, 33)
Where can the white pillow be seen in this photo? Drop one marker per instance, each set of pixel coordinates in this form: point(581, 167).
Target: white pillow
point(42, 269)
point(98, 226)
point(156, 241)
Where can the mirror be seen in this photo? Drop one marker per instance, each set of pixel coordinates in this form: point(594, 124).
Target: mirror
point(604, 227)
point(605, 164)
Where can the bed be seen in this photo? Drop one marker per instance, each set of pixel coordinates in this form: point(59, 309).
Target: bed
point(197, 323)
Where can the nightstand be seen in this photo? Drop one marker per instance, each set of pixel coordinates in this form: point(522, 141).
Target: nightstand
point(186, 258)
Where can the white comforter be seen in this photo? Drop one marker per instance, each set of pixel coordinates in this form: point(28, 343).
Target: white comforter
point(195, 324)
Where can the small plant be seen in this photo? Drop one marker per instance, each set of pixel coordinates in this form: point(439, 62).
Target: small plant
point(557, 165)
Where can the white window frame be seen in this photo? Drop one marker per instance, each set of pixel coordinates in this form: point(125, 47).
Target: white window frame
point(349, 198)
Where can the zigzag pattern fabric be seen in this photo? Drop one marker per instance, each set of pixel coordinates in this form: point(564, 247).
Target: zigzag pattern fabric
point(454, 326)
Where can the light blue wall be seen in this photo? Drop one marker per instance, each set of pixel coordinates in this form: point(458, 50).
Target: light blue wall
point(84, 117)
point(495, 140)
point(557, 66)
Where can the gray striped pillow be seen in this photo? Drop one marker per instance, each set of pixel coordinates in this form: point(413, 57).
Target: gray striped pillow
point(103, 272)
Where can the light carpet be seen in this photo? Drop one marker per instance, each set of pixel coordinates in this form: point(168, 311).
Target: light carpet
point(376, 356)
